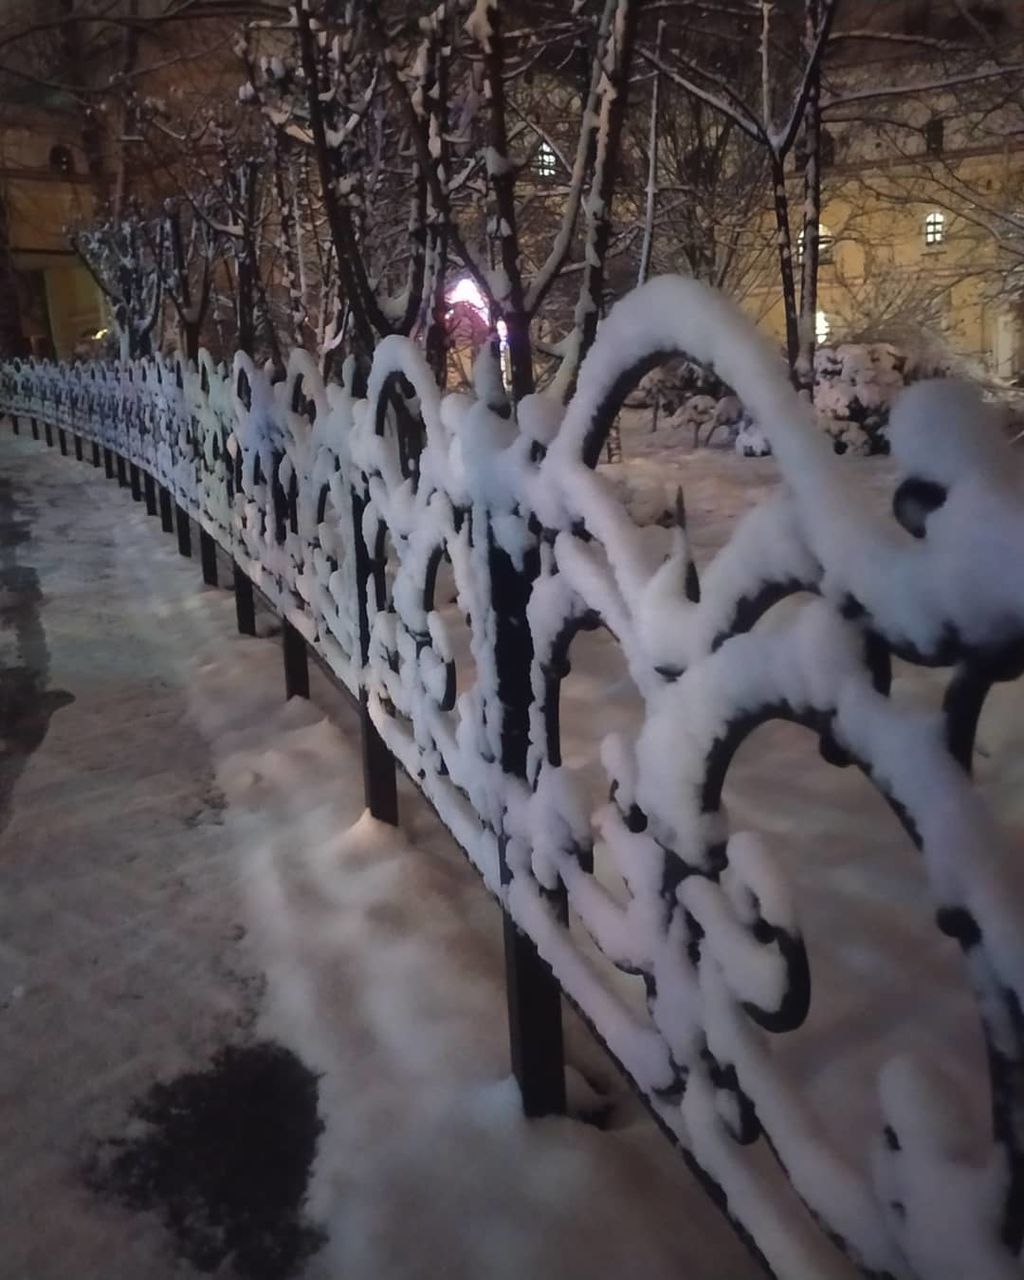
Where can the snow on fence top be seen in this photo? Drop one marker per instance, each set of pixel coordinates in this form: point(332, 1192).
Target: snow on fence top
point(652, 882)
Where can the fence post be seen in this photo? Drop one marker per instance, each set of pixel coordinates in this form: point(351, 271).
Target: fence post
point(78, 447)
point(108, 463)
point(245, 605)
point(533, 995)
point(133, 480)
point(184, 531)
point(95, 454)
point(380, 785)
point(166, 515)
point(149, 489)
point(48, 432)
point(122, 473)
point(63, 441)
point(15, 425)
point(534, 1025)
point(296, 662)
point(35, 428)
point(208, 557)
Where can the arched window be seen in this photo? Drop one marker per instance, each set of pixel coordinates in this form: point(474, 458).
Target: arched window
point(934, 228)
point(61, 160)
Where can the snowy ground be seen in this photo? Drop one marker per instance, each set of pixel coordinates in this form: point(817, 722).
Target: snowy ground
point(718, 485)
point(183, 866)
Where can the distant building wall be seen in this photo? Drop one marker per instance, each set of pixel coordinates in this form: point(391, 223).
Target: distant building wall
point(46, 191)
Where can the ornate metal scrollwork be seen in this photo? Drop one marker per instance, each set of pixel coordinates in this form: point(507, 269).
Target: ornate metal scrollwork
point(676, 936)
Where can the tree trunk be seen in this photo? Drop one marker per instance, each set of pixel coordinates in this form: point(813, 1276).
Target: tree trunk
point(290, 237)
point(803, 367)
point(73, 59)
point(784, 242)
point(142, 343)
point(189, 336)
point(366, 315)
point(618, 54)
point(12, 341)
point(651, 195)
point(520, 355)
point(245, 305)
point(512, 302)
point(436, 342)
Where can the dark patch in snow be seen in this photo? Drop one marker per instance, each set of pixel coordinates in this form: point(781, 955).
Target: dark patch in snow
point(26, 704)
point(210, 811)
point(224, 1158)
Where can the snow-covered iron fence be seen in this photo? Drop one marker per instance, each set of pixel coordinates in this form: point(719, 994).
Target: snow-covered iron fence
point(443, 573)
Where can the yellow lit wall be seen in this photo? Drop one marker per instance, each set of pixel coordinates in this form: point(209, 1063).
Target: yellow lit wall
point(951, 296)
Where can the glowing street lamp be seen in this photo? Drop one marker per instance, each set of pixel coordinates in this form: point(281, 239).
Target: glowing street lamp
point(468, 291)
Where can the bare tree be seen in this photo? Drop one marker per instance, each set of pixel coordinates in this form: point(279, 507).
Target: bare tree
point(710, 189)
point(777, 73)
point(73, 57)
point(774, 108)
point(186, 266)
point(124, 260)
point(418, 113)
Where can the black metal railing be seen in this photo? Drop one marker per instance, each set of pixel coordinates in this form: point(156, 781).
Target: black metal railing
point(443, 565)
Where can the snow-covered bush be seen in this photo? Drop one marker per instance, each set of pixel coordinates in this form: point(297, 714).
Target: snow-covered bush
point(676, 382)
point(690, 398)
point(855, 386)
point(751, 441)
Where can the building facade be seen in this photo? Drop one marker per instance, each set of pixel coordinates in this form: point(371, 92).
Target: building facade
point(45, 189)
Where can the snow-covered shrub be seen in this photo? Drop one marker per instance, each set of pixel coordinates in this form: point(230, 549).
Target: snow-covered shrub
point(690, 398)
point(855, 386)
point(695, 413)
point(751, 441)
point(675, 382)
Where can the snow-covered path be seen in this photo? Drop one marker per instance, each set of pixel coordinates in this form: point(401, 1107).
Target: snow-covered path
point(182, 867)
point(121, 951)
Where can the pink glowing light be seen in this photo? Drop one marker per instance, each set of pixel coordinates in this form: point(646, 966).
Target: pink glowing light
point(468, 291)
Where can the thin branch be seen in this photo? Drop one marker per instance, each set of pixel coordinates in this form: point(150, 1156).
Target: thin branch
point(729, 105)
point(931, 86)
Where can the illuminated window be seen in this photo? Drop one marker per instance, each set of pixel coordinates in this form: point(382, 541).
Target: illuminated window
point(822, 327)
point(826, 246)
point(935, 228)
point(545, 161)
